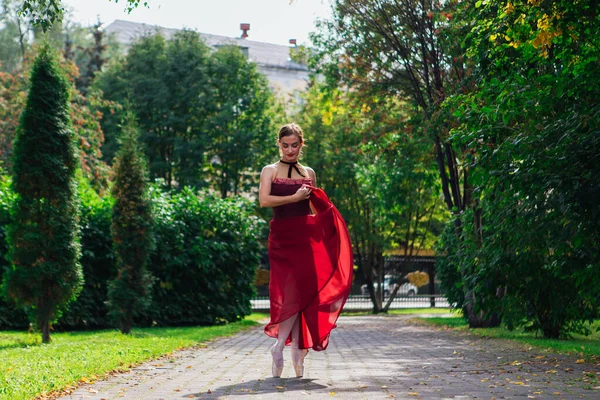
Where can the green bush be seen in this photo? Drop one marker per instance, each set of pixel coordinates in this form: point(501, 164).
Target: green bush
point(207, 253)
point(11, 316)
point(206, 258)
point(89, 311)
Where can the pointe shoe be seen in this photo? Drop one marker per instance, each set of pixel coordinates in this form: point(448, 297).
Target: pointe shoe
point(298, 360)
point(277, 366)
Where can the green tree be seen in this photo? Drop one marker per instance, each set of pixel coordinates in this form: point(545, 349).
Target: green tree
point(44, 13)
point(133, 240)
point(167, 85)
point(14, 32)
point(379, 176)
point(530, 124)
point(44, 245)
point(240, 123)
point(204, 115)
point(398, 48)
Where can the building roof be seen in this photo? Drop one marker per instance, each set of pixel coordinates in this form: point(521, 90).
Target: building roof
point(264, 54)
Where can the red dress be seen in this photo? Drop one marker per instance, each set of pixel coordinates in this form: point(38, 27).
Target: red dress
point(311, 264)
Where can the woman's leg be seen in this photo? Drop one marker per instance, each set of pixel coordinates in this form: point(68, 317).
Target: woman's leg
point(285, 327)
point(297, 353)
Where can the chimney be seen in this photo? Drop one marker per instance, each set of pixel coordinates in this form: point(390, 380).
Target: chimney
point(293, 42)
point(245, 28)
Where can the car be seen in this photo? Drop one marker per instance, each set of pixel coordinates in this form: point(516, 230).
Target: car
point(407, 289)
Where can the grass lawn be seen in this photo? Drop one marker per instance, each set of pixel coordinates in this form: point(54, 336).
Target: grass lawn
point(30, 368)
point(587, 347)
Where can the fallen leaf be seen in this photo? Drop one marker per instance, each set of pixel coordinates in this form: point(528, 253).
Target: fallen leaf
point(384, 387)
point(189, 366)
point(280, 387)
point(93, 391)
point(413, 393)
point(580, 361)
point(332, 393)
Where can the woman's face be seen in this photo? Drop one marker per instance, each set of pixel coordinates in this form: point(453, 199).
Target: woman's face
point(290, 147)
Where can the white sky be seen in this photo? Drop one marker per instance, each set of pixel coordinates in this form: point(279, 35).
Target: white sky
point(272, 21)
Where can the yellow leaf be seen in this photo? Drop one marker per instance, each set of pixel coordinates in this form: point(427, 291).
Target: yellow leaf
point(580, 361)
point(413, 393)
point(332, 393)
point(279, 387)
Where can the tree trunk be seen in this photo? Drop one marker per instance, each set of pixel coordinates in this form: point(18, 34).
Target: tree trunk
point(45, 327)
point(126, 324)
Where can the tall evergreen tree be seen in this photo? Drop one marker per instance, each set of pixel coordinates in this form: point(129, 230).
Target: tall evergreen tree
point(44, 244)
point(133, 240)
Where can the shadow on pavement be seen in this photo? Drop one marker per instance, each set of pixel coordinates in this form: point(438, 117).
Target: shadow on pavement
point(262, 386)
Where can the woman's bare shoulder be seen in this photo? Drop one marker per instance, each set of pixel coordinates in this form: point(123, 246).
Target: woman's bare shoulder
point(269, 169)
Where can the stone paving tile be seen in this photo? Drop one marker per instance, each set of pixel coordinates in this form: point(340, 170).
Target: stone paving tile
point(369, 357)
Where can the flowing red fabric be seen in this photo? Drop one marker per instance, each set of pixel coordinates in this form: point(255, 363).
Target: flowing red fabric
point(311, 271)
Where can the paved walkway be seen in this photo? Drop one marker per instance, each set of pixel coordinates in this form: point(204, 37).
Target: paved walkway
point(369, 357)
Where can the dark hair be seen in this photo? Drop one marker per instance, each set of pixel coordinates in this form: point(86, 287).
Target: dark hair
point(291, 129)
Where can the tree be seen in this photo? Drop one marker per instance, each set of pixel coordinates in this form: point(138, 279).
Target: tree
point(204, 115)
point(44, 246)
point(167, 84)
point(530, 124)
point(133, 240)
point(240, 124)
point(396, 48)
point(378, 175)
point(95, 55)
point(14, 36)
point(45, 13)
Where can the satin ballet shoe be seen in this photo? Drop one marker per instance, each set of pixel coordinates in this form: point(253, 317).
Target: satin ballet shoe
point(298, 360)
point(277, 366)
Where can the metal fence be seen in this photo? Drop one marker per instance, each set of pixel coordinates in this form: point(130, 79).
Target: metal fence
point(363, 303)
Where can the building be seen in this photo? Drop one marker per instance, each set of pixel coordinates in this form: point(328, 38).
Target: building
point(273, 60)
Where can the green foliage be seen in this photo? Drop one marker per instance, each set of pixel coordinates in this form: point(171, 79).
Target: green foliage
point(131, 230)
point(45, 13)
point(44, 248)
point(207, 254)
point(531, 125)
point(90, 310)
point(84, 116)
point(204, 116)
point(239, 126)
point(11, 316)
point(377, 169)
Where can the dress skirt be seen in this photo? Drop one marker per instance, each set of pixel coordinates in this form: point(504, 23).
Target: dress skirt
point(311, 266)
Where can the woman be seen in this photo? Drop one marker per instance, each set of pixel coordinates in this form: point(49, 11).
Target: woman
point(309, 254)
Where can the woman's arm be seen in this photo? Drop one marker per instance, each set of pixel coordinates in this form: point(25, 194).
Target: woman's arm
point(264, 197)
point(312, 174)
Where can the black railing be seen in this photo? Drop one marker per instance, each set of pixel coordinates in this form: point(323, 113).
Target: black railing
point(363, 303)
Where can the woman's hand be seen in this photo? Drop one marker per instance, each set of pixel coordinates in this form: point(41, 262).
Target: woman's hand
point(303, 193)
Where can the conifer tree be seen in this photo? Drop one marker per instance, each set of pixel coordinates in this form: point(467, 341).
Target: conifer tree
point(133, 239)
point(44, 251)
